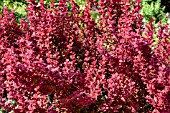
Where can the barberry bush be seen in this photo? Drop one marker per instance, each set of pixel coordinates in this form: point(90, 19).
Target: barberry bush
point(60, 60)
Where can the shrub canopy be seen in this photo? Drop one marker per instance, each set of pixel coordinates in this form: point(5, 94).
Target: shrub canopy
point(63, 61)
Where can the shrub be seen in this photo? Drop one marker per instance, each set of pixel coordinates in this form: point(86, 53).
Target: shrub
point(153, 9)
point(17, 6)
point(58, 61)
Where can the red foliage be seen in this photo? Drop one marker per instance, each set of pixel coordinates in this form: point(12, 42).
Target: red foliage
point(62, 62)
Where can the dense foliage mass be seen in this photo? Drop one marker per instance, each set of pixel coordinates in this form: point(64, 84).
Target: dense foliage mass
point(61, 60)
point(17, 6)
point(153, 9)
point(157, 9)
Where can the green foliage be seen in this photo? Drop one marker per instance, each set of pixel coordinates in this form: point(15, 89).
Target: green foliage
point(152, 9)
point(18, 6)
point(81, 3)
